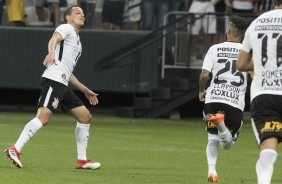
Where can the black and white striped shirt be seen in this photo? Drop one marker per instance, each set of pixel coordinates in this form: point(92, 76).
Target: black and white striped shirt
point(265, 5)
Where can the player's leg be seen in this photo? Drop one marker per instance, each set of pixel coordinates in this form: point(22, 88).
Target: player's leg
point(48, 101)
point(267, 158)
point(212, 153)
point(74, 105)
point(212, 146)
point(266, 120)
point(229, 130)
point(83, 117)
point(217, 119)
point(42, 117)
point(268, 154)
point(224, 136)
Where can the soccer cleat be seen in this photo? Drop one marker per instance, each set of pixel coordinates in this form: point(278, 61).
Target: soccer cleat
point(87, 164)
point(14, 155)
point(216, 119)
point(212, 178)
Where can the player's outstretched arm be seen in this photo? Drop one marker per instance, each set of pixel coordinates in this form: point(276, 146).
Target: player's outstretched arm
point(90, 95)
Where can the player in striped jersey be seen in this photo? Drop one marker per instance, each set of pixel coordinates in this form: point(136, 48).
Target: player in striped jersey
point(64, 49)
point(263, 45)
point(224, 97)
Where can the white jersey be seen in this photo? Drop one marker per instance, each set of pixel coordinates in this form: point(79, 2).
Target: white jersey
point(67, 53)
point(227, 85)
point(264, 39)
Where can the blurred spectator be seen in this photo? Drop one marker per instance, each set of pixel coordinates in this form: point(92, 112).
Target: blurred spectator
point(1, 10)
point(264, 6)
point(220, 8)
point(88, 7)
point(240, 7)
point(208, 23)
point(153, 12)
point(69, 3)
point(132, 13)
point(55, 7)
point(176, 5)
point(112, 14)
point(15, 11)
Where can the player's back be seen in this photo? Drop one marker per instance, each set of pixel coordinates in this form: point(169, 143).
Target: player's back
point(227, 85)
point(265, 37)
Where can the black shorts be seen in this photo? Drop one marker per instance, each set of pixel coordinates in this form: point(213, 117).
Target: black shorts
point(113, 12)
point(266, 114)
point(54, 94)
point(233, 118)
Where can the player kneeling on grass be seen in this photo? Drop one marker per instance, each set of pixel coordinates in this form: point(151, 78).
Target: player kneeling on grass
point(64, 50)
point(224, 97)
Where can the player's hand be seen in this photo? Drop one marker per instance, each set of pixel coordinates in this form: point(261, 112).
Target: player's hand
point(92, 97)
point(202, 96)
point(49, 59)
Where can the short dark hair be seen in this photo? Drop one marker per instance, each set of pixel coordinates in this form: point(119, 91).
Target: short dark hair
point(240, 24)
point(68, 12)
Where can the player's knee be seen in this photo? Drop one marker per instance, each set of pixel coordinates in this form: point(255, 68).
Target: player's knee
point(44, 115)
point(44, 121)
point(86, 118)
point(89, 118)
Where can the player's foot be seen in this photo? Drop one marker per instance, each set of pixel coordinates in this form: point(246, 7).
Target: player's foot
point(216, 119)
point(14, 155)
point(87, 164)
point(212, 178)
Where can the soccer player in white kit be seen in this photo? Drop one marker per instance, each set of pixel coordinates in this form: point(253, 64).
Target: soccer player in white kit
point(224, 94)
point(64, 49)
point(263, 45)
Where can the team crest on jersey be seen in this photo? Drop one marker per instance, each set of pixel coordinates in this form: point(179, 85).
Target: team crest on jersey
point(55, 103)
point(64, 76)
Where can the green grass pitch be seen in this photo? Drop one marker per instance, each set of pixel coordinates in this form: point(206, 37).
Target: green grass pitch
point(131, 151)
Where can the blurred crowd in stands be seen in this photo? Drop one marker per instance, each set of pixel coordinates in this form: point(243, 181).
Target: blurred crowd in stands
point(121, 14)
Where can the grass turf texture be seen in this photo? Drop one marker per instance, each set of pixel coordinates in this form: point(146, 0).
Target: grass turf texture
point(131, 151)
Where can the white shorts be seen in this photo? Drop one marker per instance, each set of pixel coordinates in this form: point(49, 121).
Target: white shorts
point(134, 14)
point(207, 22)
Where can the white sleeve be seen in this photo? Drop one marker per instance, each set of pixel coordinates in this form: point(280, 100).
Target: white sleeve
point(64, 30)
